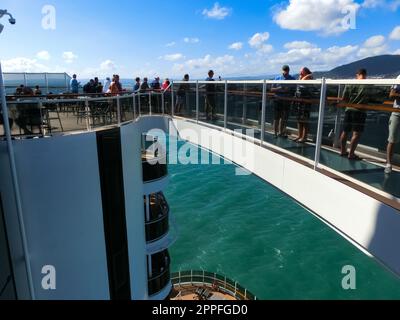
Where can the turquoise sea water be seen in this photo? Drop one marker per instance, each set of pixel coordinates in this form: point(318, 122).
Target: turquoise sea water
point(244, 228)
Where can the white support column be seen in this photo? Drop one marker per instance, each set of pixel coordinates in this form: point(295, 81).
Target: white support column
point(263, 111)
point(16, 188)
point(322, 105)
point(226, 105)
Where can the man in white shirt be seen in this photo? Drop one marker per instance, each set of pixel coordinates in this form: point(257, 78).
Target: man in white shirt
point(107, 84)
point(394, 127)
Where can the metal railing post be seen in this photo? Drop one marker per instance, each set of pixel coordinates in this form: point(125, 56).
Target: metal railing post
point(140, 104)
point(172, 100)
point(244, 103)
point(337, 122)
point(162, 103)
point(46, 79)
point(25, 80)
point(150, 109)
point(118, 110)
point(134, 106)
point(263, 111)
point(15, 184)
point(87, 114)
point(197, 101)
point(322, 105)
point(226, 105)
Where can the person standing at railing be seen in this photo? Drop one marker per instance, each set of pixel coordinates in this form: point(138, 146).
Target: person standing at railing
point(394, 127)
point(136, 87)
point(210, 97)
point(107, 84)
point(74, 85)
point(115, 87)
point(354, 119)
point(282, 103)
point(181, 95)
point(303, 108)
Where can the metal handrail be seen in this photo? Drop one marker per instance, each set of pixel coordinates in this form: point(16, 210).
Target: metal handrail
point(212, 279)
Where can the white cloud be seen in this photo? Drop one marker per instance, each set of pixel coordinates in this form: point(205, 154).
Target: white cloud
point(395, 34)
point(217, 12)
point(43, 55)
point(314, 57)
point(387, 4)
point(257, 41)
point(374, 41)
point(397, 52)
point(373, 46)
point(108, 65)
point(173, 57)
point(327, 16)
point(171, 44)
point(236, 46)
point(23, 65)
point(191, 40)
point(69, 57)
point(373, 51)
point(299, 45)
point(200, 66)
point(372, 3)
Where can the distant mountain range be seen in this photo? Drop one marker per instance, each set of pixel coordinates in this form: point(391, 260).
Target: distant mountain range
point(384, 66)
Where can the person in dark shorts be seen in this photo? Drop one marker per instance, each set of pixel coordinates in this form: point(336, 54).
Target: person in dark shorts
point(281, 102)
point(210, 97)
point(354, 119)
point(181, 95)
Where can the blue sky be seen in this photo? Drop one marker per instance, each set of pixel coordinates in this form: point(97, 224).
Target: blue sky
point(170, 38)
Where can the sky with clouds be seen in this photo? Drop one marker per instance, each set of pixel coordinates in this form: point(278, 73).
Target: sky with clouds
point(171, 38)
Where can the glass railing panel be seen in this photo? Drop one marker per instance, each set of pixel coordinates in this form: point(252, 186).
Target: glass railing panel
point(291, 120)
point(157, 284)
point(156, 102)
point(363, 114)
point(244, 107)
point(127, 108)
point(212, 98)
point(185, 100)
point(144, 101)
point(102, 112)
point(45, 117)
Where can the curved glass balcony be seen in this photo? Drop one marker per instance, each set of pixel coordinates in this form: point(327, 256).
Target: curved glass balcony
point(154, 168)
point(157, 217)
point(160, 275)
point(158, 283)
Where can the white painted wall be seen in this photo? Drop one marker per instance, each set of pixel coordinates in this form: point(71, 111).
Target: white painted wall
point(62, 209)
point(133, 182)
point(371, 224)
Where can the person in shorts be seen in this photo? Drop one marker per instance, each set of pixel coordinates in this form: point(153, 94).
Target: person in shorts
point(282, 102)
point(394, 127)
point(354, 118)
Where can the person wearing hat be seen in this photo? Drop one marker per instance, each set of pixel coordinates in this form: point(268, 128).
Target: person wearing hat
point(281, 102)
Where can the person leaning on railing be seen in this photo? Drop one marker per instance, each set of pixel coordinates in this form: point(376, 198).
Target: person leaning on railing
point(394, 127)
point(280, 102)
point(354, 119)
point(303, 108)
